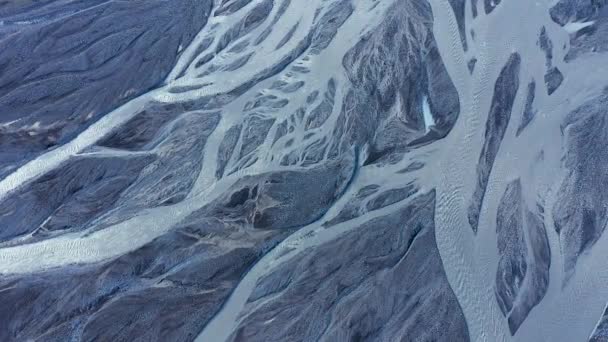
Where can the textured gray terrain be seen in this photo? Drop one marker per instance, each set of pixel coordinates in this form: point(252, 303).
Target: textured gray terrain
point(529, 109)
point(600, 333)
point(285, 170)
point(341, 291)
point(522, 276)
point(505, 90)
point(57, 53)
point(580, 211)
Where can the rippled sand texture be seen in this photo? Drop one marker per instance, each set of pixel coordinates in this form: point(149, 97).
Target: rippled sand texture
point(289, 170)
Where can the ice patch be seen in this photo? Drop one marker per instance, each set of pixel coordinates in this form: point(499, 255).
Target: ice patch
point(576, 26)
point(426, 112)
